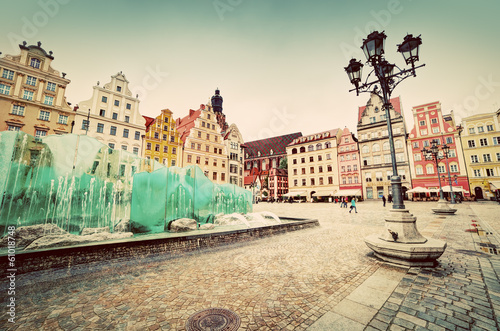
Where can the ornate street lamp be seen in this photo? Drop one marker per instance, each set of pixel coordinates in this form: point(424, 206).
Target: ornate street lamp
point(433, 154)
point(400, 224)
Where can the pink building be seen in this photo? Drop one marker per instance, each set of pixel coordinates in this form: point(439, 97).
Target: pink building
point(349, 166)
point(431, 124)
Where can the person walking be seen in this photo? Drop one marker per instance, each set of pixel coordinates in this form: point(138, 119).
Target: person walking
point(342, 202)
point(353, 205)
point(390, 198)
point(346, 200)
point(383, 199)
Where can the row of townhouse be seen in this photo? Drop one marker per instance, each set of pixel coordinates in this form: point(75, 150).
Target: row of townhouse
point(32, 100)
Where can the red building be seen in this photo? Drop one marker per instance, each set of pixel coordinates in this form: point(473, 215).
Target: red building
point(349, 165)
point(431, 124)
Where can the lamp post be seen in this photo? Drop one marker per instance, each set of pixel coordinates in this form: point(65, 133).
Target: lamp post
point(433, 154)
point(387, 80)
point(400, 242)
point(446, 150)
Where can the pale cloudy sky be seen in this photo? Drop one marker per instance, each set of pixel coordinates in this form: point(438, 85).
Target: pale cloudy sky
point(278, 63)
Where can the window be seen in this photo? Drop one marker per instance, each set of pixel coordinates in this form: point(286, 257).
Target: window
point(498, 156)
point(5, 89)
point(376, 148)
point(320, 169)
point(28, 95)
point(377, 159)
point(303, 171)
point(471, 143)
point(198, 147)
point(189, 157)
point(434, 120)
point(489, 127)
point(118, 89)
point(127, 119)
point(496, 140)
point(365, 149)
point(51, 87)
point(348, 168)
point(115, 116)
point(421, 123)
point(157, 148)
point(18, 110)
point(30, 80)
point(8, 74)
point(311, 158)
point(321, 181)
point(125, 133)
point(372, 119)
point(417, 157)
point(477, 172)
point(85, 125)
point(104, 99)
point(35, 63)
point(117, 103)
point(429, 169)
point(112, 131)
point(302, 160)
point(328, 156)
point(49, 100)
point(435, 129)
point(471, 130)
point(366, 161)
point(483, 142)
point(398, 144)
point(419, 170)
point(40, 133)
point(486, 157)
point(137, 135)
point(312, 182)
point(124, 147)
point(148, 146)
point(44, 115)
point(172, 139)
point(214, 176)
point(387, 158)
point(489, 172)
point(423, 132)
point(379, 177)
point(329, 168)
point(174, 150)
point(453, 168)
point(100, 128)
point(474, 159)
point(172, 163)
point(480, 129)
point(342, 169)
point(13, 128)
point(426, 143)
point(311, 170)
point(157, 135)
point(63, 119)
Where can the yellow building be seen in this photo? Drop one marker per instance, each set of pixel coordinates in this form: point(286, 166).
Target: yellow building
point(162, 140)
point(204, 144)
point(32, 96)
point(481, 144)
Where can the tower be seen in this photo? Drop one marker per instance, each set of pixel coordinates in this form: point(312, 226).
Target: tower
point(217, 109)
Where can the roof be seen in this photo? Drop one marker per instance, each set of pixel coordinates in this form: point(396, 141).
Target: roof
point(185, 124)
point(149, 121)
point(395, 102)
point(264, 146)
point(316, 136)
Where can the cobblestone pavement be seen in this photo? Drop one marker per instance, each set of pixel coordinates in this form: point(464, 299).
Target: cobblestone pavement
point(294, 281)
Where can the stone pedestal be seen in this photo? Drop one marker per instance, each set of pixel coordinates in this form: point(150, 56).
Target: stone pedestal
point(401, 242)
point(443, 208)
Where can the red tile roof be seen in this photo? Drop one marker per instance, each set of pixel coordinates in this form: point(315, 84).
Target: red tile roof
point(396, 104)
point(264, 146)
point(185, 124)
point(149, 121)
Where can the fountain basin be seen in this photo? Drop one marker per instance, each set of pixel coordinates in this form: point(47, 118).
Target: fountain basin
point(169, 245)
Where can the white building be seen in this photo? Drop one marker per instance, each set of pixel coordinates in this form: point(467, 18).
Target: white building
point(114, 116)
point(234, 146)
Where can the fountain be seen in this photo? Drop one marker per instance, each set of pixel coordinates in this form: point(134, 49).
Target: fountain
point(75, 182)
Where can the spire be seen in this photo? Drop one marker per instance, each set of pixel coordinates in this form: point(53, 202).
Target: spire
point(217, 101)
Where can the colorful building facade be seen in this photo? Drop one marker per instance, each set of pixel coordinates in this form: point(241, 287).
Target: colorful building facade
point(32, 94)
point(431, 124)
point(112, 116)
point(236, 154)
point(162, 141)
point(203, 143)
point(262, 157)
point(313, 170)
point(350, 183)
point(374, 146)
point(480, 139)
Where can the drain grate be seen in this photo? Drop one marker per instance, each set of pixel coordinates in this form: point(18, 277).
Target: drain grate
point(213, 319)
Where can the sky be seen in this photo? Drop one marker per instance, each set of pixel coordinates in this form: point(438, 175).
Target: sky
point(279, 64)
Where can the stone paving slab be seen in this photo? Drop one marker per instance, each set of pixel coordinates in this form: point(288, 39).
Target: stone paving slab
point(297, 281)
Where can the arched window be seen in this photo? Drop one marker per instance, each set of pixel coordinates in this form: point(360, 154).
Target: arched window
point(386, 146)
point(294, 150)
point(302, 149)
point(274, 163)
point(365, 149)
point(310, 148)
point(328, 144)
point(375, 148)
point(318, 146)
point(398, 144)
point(429, 169)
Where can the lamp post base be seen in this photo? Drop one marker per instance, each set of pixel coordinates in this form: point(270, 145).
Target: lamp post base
point(443, 208)
point(401, 242)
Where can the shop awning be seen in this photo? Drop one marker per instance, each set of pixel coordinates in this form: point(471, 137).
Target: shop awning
point(295, 193)
point(323, 193)
point(348, 193)
point(495, 185)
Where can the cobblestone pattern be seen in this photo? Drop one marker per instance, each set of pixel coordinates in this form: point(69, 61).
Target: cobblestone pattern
point(461, 293)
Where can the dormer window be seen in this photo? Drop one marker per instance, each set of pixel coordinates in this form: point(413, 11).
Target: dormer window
point(118, 89)
point(35, 63)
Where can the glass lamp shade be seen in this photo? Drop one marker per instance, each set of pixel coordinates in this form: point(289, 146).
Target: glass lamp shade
point(387, 68)
point(434, 148)
point(409, 48)
point(354, 71)
point(446, 149)
point(373, 45)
